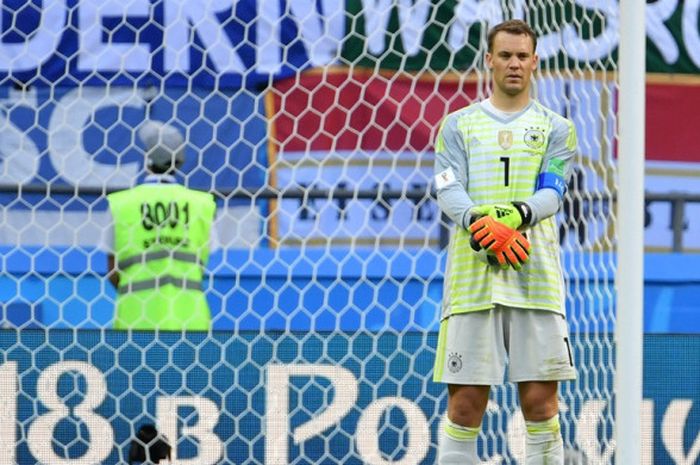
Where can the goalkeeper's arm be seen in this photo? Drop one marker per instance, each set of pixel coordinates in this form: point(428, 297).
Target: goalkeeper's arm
point(451, 174)
point(544, 203)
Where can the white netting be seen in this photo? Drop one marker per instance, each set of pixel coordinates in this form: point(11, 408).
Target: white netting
point(312, 122)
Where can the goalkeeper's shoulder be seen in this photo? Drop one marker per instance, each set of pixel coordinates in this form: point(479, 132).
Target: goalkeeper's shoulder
point(556, 119)
point(563, 129)
point(464, 112)
point(453, 126)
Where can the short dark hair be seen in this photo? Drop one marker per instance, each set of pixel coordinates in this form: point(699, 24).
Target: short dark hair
point(512, 26)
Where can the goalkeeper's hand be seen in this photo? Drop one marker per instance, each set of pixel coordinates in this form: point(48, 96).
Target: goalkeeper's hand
point(512, 215)
point(508, 245)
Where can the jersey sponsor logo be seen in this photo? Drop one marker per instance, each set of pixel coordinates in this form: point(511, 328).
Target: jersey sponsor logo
point(534, 138)
point(445, 178)
point(505, 138)
point(454, 362)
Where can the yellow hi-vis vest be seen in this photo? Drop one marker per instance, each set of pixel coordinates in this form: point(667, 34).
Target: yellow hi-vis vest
point(161, 246)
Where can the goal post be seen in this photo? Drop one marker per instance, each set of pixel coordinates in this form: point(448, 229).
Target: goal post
point(313, 125)
point(630, 263)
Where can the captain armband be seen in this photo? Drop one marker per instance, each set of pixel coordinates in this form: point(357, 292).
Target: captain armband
point(551, 181)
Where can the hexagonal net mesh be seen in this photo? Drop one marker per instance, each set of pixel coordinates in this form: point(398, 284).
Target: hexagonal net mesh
point(312, 125)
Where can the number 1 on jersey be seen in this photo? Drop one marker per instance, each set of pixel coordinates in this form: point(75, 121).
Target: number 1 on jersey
point(506, 169)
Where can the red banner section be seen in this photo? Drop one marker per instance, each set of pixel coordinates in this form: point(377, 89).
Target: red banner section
point(339, 129)
point(672, 122)
point(342, 110)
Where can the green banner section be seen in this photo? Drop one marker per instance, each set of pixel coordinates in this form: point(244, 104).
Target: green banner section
point(451, 35)
point(673, 37)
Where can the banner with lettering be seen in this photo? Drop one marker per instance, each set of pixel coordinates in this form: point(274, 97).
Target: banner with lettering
point(448, 34)
point(85, 140)
point(245, 43)
point(173, 42)
point(78, 397)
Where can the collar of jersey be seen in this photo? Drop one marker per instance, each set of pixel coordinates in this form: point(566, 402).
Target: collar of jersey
point(511, 117)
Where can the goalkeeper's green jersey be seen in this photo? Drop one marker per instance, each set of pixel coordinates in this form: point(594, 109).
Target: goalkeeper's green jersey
point(486, 158)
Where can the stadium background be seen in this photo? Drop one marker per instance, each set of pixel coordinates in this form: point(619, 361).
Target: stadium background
point(66, 144)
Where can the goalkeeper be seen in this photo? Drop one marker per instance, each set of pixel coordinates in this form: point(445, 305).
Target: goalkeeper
point(500, 175)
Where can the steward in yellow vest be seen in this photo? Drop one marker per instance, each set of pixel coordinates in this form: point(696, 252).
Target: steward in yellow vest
point(160, 248)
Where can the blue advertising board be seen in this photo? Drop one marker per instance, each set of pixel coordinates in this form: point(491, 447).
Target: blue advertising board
point(327, 397)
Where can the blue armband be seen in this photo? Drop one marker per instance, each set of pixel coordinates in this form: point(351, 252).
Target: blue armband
point(551, 181)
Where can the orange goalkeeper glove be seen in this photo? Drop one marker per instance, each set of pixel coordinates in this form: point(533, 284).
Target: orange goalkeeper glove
point(508, 245)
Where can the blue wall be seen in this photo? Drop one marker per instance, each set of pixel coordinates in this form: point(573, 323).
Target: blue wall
point(366, 289)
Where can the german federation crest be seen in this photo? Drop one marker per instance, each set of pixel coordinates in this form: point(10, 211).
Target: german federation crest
point(534, 138)
point(454, 362)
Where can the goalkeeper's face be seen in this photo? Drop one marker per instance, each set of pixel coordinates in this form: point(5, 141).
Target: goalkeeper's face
point(512, 61)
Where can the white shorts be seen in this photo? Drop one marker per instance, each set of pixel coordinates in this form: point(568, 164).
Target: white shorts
point(473, 347)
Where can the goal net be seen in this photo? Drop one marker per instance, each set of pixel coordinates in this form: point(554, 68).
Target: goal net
point(312, 123)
